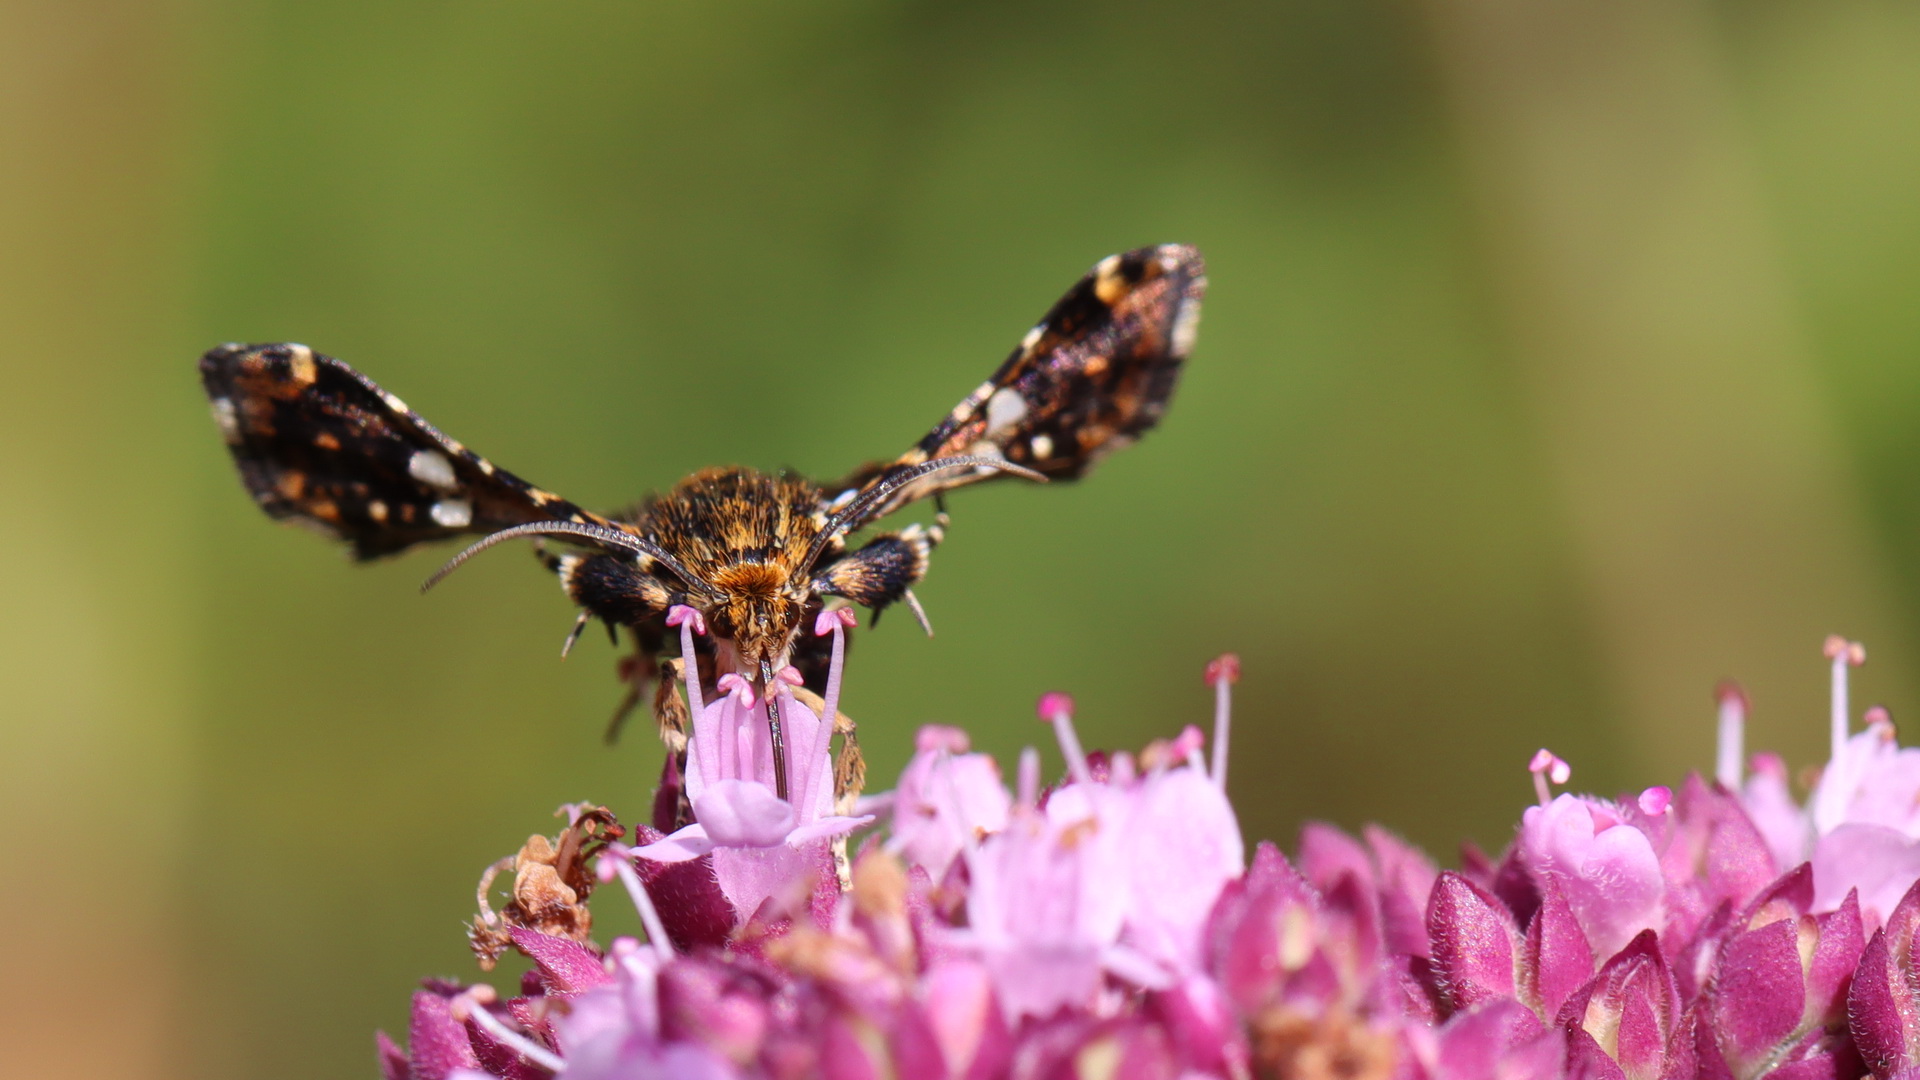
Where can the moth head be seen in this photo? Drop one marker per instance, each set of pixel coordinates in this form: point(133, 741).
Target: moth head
point(758, 607)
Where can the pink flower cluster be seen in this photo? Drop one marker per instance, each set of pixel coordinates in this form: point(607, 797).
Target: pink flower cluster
point(1109, 927)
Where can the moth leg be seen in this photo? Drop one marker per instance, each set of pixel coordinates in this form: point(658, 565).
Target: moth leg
point(849, 769)
point(612, 589)
point(885, 569)
point(634, 671)
point(669, 708)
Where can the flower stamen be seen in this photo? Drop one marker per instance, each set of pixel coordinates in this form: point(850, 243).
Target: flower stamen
point(1546, 765)
point(690, 623)
point(472, 1005)
point(1222, 673)
point(1057, 709)
point(618, 860)
point(834, 621)
point(741, 689)
point(1844, 654)
point(1731, 748)
point(1029, 778)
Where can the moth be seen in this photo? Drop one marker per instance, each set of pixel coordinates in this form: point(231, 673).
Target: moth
point(758, 555)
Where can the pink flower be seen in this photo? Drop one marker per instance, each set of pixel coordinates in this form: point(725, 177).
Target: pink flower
point(1605, 867)
point(759, 841)
point(1111, 927)
point(1861, 825)
point(946, 800)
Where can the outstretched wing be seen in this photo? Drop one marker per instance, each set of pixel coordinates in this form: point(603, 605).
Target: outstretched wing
point(1094, 375)
point(317, 442)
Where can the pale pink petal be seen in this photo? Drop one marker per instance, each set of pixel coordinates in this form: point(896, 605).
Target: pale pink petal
point(742, 813)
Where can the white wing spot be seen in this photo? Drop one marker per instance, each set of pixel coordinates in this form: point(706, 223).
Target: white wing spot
point(377, 510)
point(453, 513)
point(1031, 341)
point(1186, 323)
point(393, 402)
point(485, 466)
point(300, 365)
point(1107, 283)
point(228, 419)
point(432, 468)
point(1004, 409)
point(1042, 445)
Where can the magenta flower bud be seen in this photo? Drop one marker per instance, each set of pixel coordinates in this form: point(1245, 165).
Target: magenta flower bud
point(565, 966)
point(1712, 856)
point(1629, 1012)
point(1396, 874)
point(1556, 959)
point(1262, 931)
point(437, 1044)
point(1473, 942)
point(1778, 992)
point(1883, 1004)
point(393, 1060)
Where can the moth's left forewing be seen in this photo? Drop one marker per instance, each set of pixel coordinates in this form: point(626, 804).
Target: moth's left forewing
point(1092, 376)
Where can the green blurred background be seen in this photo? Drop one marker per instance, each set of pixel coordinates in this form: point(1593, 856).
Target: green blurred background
point(1559, 360)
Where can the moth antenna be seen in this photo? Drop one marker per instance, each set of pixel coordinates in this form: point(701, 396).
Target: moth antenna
point(601, 534)
point(579, 624)
point(856, 510)
point(913, 602)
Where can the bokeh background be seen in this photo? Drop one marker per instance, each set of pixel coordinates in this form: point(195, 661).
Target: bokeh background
point(1560, 359)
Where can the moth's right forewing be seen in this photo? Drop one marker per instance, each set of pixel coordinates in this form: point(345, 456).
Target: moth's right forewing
point(318, 443)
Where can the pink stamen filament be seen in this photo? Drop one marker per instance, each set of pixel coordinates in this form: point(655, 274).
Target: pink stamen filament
point(1069, 740)
point(617, 858)
point(468, 1006)
point(800, 753)
point(1222, 713)
point(1223, 672)
point(1029, 778)
point(1838, 717)
point(834, 622)
point(689, 622)
point(1732, 742)
point(1544, 765)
